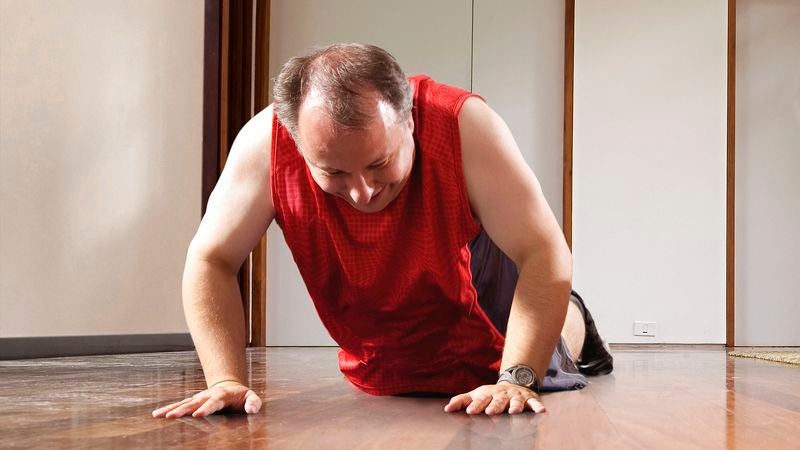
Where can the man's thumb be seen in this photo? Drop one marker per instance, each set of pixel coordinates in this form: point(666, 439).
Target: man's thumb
point(252, 404)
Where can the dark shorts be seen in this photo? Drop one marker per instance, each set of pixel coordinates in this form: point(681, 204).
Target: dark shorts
point(495, 276)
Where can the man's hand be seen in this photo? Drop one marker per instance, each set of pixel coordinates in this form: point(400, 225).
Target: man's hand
point(229, 394)
point(498, 397)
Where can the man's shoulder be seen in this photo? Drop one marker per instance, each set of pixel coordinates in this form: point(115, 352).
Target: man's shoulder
point(256, 134)
point(440, 101)
point(429, 85)
point(260, 125)
point(250, 153)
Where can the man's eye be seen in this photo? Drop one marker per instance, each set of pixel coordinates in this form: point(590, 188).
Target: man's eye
point(330, 174)
point(379, 165)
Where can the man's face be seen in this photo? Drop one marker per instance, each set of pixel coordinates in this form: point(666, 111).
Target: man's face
point(366, 167)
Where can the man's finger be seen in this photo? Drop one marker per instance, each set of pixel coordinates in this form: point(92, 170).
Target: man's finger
point(478, 404)
point(535, 405)
point(517, 405)
point(165, 409)
point(458, 403)
point(252, 403)
point(498, 404)
point(210, 406)
point(183, 409)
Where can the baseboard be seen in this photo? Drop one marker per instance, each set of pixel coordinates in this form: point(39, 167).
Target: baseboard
point(48, 347)
point(649, 346)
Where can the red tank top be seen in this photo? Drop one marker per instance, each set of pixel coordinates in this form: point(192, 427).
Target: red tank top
point(393, 288)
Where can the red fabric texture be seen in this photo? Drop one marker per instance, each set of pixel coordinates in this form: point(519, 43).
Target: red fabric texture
point(393, 288)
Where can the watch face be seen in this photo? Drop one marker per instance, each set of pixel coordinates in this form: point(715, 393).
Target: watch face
point(523, 376)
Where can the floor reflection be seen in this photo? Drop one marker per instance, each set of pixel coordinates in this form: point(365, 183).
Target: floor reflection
point(730, 402)
point(661, 398)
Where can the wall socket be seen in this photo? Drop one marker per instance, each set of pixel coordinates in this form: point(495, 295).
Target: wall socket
point(644, 328)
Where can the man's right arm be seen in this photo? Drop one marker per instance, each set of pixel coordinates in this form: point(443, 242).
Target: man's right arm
point(239, 211)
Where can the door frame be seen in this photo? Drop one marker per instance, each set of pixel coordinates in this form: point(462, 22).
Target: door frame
point(235, 87)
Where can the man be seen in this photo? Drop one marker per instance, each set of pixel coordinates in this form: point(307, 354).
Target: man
point(391, 193)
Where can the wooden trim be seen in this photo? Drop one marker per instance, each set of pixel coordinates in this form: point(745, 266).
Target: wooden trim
point(239, 67)
point(245, 279)
point(569, 75)
point(730, 238)
point(261, 101)
point(258, 295)
point(239, 32)
point(225, 25)
point(227, 101)
point(211, 93)
point(57, 346)
point(261, 95)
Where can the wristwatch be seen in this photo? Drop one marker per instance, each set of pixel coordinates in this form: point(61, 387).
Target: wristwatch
point(520, 375)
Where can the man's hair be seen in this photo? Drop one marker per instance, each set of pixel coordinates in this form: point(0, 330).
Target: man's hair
point(343, 74)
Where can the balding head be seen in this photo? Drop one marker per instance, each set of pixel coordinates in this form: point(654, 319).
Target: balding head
point(343, 80)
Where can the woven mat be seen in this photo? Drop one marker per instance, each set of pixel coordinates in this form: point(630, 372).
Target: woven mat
point(784, 357)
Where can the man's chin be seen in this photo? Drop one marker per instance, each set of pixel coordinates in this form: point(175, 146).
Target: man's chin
point(370, 208)
point(376, 205)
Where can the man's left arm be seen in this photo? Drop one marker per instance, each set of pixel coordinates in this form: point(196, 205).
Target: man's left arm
point(507, 200)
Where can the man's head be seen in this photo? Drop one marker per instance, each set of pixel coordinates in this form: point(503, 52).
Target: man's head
point(348, 108)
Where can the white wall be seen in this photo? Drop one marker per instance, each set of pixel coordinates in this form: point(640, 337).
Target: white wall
point(767, 167)
point(100, 159)
point(426, 37)
point(518, 67)
point(649, 166)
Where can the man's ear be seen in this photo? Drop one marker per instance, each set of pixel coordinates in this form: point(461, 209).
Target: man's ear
point(410, 122)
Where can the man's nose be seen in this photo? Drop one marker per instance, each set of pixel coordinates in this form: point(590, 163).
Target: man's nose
point(360, 190)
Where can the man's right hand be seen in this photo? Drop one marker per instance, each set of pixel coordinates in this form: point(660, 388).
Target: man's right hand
point(230, 395)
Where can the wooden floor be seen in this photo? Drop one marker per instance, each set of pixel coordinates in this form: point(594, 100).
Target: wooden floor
point(656, 398)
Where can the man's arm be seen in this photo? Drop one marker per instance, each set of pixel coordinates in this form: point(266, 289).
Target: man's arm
point(507, 200)
point(239, 211)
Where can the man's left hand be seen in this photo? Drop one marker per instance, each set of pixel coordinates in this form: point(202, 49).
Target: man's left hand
point(495, 399)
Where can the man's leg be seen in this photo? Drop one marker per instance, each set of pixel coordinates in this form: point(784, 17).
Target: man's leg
point(574, 331)
point(494, 277)
point(595, 357)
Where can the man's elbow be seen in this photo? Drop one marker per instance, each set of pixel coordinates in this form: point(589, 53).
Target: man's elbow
point(552, 262)
point(564, 263)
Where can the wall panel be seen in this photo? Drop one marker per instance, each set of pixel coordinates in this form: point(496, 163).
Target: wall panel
point(518, 67)
point(649, 166)
point(100, 159)
point(767, 164)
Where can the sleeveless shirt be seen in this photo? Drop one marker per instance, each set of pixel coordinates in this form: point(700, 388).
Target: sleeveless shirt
point(393, 288)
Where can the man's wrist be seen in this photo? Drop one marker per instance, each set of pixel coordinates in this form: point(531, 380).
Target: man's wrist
point(225, 381)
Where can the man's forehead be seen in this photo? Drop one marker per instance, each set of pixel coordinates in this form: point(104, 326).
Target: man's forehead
point(368, 102)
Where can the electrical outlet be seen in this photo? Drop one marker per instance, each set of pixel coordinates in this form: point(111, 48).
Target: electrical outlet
point(644, 328)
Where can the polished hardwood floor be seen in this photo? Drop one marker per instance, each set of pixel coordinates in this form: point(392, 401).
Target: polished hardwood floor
point(680, 398)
